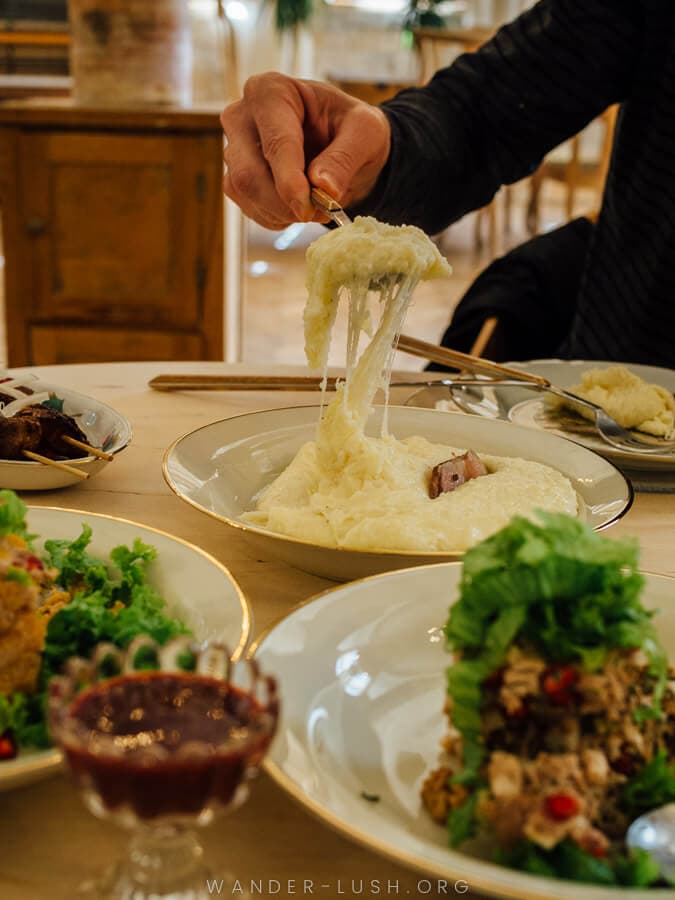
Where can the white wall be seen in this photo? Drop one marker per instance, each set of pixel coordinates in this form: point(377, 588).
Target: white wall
point(341, 41)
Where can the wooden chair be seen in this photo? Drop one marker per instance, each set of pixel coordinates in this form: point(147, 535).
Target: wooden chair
point(483, 345)
point(573, 172)
point(374, 92)
point(432, 45)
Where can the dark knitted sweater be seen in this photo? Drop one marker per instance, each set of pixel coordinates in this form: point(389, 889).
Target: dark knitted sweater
point(489, 119)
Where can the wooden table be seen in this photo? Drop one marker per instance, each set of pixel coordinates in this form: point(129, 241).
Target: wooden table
point(48, 842)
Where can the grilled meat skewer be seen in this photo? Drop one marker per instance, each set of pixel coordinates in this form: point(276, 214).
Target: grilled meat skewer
point(40, 429)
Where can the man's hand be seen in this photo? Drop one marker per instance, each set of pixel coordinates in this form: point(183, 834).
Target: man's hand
point(285, 134)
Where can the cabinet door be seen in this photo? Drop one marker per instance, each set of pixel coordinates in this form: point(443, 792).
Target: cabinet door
point(77, 344)
point(121, 227)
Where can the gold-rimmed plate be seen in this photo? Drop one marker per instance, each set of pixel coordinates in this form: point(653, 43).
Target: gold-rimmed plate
point(221, 468)
point(197, 588)
point(362, 673)
point(529, 409)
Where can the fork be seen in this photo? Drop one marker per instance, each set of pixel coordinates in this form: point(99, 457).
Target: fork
point(608, 428)
point(329, 206)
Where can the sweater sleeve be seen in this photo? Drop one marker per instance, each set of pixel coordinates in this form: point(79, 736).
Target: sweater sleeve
point(490, 117)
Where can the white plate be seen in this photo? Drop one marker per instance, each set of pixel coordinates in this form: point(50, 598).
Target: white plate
point(362, 676)
point(220, 468)
point(525, 407)
point(197, 589)
point(102, 425)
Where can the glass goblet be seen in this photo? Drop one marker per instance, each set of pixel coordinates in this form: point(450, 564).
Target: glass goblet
point(159, 740)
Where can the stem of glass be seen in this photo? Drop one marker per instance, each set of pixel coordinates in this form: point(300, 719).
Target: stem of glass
point(165, 859)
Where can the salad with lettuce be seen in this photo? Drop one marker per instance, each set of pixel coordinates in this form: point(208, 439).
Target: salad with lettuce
point(560, 704)
point(60, 603)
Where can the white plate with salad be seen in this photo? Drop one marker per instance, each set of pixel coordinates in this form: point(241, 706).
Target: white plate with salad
point(59, 411)
point(64, 587)
point(364, 672)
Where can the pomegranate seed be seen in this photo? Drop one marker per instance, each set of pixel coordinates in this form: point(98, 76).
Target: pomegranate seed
point(33, 564)
point(561, 806)
point(557, 684)
point(596, 849)
point(7, 747)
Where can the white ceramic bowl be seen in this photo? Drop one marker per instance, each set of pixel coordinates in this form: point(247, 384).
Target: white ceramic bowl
point(197, 589)
point(220, 468)
point(362, 673)
point(103, 426)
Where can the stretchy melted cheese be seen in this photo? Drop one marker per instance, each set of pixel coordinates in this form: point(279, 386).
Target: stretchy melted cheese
point(347, 489)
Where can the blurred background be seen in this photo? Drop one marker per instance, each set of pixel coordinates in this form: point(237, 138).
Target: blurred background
point(116, 243)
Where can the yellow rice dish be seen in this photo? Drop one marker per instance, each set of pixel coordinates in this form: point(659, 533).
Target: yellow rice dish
point(633, 402)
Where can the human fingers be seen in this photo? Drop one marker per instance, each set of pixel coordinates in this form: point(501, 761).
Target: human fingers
point(249, 182)
point(278, 111)
point(259, 214)
point(351, 163)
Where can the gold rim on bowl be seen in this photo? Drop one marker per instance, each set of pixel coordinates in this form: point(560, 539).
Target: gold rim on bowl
point(478, 882)
point(440, 555)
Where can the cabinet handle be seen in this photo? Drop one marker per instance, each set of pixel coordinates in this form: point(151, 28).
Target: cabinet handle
point(36, 226)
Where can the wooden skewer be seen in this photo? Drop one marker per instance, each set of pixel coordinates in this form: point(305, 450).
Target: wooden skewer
point(55, 464)
point(464, 361)
point(92, 451)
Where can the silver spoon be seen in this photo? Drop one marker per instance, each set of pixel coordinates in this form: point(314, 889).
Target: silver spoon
point(655, 832)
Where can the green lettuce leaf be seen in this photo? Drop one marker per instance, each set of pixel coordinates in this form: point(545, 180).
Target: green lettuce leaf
point(23, 716)
point(462, 823)
point(555, 585)
point(654, 785)
point(636, 868)
point(110, 603)
point(75, 566)
point(628, 868)
point(12, 515)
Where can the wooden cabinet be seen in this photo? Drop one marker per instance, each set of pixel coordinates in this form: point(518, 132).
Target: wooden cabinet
point(113, 233)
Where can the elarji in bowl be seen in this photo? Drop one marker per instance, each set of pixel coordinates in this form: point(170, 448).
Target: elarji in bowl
point(167, 742)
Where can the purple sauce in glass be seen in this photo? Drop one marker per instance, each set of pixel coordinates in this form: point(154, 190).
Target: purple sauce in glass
point(165, 743)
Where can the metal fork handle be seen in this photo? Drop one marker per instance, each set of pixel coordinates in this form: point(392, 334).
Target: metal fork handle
point(573, 398)
point(566, 395)
point(329, 206)
point(463, 382)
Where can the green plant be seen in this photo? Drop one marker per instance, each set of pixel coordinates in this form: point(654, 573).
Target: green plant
point(291, 13)
point(423, 14)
